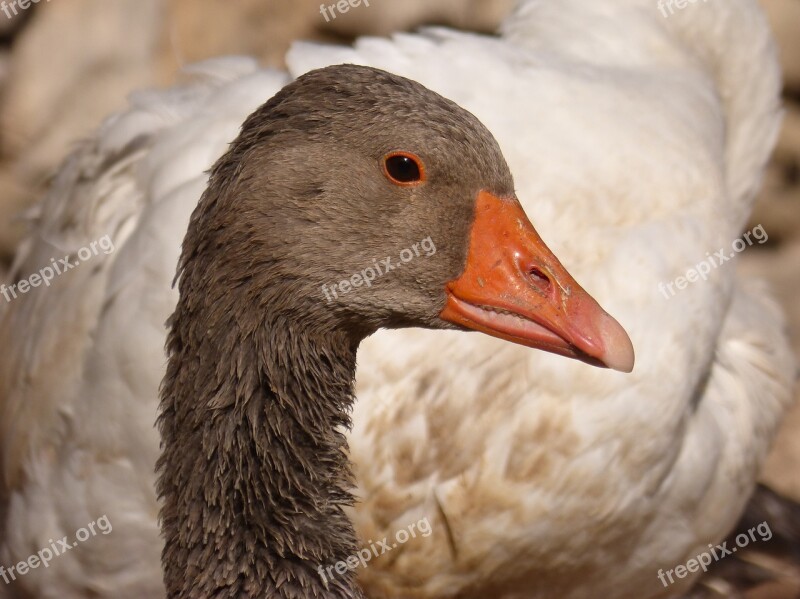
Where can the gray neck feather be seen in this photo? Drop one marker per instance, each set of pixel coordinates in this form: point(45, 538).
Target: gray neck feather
point(254, 473)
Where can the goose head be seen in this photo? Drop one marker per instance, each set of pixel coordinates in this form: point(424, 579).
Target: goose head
point(376, 203)
point(349, 174)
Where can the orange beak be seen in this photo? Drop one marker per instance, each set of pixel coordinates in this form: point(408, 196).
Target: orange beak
point(514, 288)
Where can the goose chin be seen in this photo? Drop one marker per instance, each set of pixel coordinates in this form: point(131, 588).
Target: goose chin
point(515, 328)
point(514, 288)
point(523, 331)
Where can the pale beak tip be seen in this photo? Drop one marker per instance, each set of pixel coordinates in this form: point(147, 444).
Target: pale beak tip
point(619, 354)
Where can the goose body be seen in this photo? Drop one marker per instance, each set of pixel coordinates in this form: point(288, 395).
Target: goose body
point(637, 144)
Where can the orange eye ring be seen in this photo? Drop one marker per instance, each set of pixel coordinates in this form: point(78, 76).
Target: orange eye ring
point(404, 169)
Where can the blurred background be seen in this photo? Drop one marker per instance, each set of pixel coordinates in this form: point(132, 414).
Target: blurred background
point(66, 64)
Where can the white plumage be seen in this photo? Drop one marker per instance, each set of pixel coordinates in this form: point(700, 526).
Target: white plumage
point(637, 143)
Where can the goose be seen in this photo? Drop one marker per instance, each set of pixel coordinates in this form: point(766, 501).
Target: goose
point(342, 165)
point(637, 142)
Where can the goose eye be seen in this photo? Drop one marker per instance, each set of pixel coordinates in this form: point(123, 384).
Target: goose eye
point(404, 169)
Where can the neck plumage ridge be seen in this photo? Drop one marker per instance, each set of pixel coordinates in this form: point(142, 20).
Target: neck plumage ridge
point(254, 473)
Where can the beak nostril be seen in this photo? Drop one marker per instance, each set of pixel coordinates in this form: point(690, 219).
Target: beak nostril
point(539, 280)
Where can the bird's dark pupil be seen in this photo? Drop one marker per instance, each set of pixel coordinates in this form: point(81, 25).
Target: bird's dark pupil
point(403, 169)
